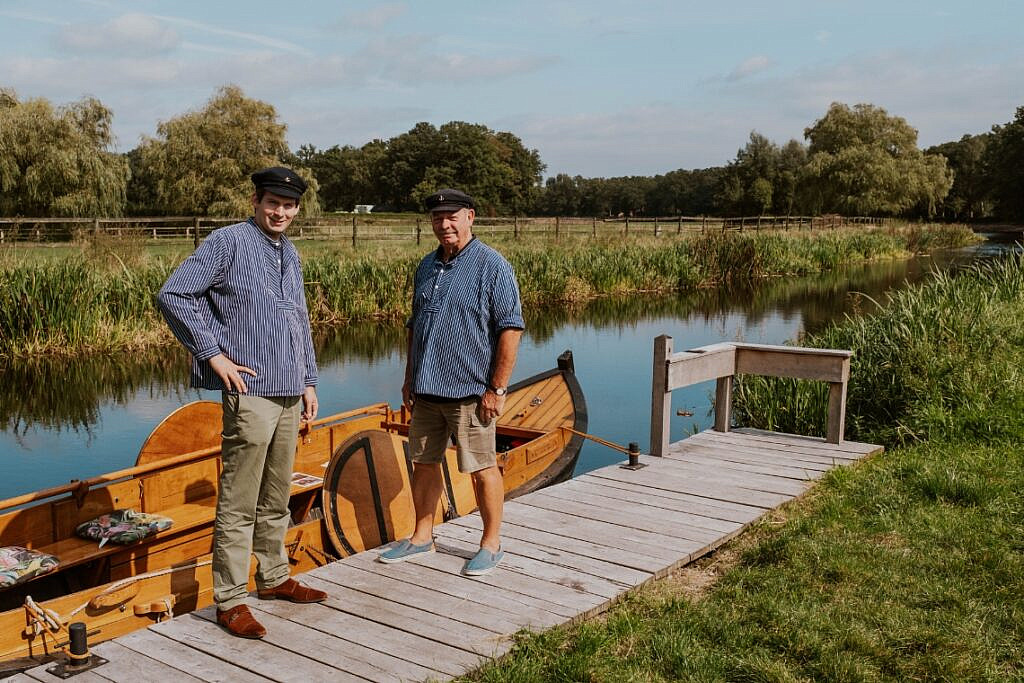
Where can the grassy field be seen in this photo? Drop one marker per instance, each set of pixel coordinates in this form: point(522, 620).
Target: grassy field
point(99, 296)
point(909, 566)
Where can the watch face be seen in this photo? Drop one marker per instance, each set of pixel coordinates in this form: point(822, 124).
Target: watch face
point(500, 391)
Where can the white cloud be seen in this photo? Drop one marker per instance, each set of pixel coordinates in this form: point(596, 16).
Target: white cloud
point(375, 18)
point(128, 34)
point(255, 38)
point(749, 67)
point(822, 36)
point(34, 18)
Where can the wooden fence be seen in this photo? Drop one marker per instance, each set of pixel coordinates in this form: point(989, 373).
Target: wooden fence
point(367, 227)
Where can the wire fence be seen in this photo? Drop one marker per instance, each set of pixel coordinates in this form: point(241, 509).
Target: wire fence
point(369, 228)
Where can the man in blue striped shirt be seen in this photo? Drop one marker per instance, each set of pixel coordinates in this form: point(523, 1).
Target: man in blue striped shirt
point(238, 305)
point(464, 335)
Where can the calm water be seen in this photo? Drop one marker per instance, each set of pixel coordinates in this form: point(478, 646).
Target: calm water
point(63, 420)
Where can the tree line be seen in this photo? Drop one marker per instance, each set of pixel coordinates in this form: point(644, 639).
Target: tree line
point(855, 160)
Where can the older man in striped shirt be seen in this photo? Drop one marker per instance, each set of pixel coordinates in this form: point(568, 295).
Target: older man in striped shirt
point(238, 305)
point(463, 338)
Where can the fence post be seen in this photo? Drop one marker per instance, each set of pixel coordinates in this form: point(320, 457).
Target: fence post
point(558, 224)
point(655, 226)
point(627, 226)
point(593, 226)
point(418, 230)
point(354, 231)
point(679, 225)
point(661, 396)
point(723, 403)
point(95, 226)
point(743, 220)
point(195, 231)
point(515, 227)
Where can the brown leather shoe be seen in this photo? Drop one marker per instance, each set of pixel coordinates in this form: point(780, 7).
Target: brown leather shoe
point(293, 591)
point(240, 622)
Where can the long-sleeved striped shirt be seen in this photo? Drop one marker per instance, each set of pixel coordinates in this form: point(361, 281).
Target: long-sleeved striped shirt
point(459, 309)
point(241, 294)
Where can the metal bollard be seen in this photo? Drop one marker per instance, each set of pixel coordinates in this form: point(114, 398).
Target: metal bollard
point(634, 457)
point(78, 658)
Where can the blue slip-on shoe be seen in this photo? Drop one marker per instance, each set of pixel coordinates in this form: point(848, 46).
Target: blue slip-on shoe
point(404, 550)
point(483, 562)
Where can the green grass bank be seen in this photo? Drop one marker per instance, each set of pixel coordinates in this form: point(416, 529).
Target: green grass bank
point(99, 297)
point(909, 566)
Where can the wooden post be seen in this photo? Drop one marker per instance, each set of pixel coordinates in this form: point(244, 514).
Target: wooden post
point(723, 404)
point(593, 226)
point(515, 227)
point(836, 412)
point(703, 223)
point(418, 230)
point(354, 231)
point(557, 226)
point(758, 226)
point(195, 232)
point(743, 219)
point(627, 226)
point(679, 225)
point(655, 226)
point(661, 396)
point(95, 226)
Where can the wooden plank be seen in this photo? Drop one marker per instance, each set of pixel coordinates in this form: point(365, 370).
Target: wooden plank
point(344, 628)
point(666, 549)
point(712, 457)
point(685, 502)
point(855, 447)
point(624, 576)
point(199, 664)
point(340, 650)
point(787, 361)
point(661, 396)
point(555, 543)
point(633, 518)
point(745, 480)
point(433, 626)
point(254, 655)
point(661, 479)
point(519, 562)
point(639, 509)
point(128, 666)
point(758, 454)
point(441, 568)
point(40, 674)
point(689, 367)
point(821, 454)
point(512, 614)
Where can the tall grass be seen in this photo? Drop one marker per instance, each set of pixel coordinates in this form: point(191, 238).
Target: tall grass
point(102, 297)
point(939, 360)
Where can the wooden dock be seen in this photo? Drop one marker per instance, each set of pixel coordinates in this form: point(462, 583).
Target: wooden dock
point(572, 550)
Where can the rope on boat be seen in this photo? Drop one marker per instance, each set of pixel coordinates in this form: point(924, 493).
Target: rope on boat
point(42, 618)
point(599, 440)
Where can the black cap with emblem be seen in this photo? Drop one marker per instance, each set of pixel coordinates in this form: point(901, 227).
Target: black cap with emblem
point(279, 180)
point(449, 200)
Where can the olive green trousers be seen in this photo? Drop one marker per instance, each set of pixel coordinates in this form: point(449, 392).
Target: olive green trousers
point(258, 453)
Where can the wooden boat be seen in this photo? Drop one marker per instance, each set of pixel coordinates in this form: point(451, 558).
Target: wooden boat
point(350, 492)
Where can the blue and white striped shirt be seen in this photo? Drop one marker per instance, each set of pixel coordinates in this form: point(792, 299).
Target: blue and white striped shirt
point(241, 294)
point(459, 309)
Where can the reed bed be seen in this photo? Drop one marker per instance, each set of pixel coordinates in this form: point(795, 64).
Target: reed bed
point(101, 298)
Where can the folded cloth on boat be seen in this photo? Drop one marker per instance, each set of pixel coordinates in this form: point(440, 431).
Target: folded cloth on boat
point(123, 526)
point(18, 564)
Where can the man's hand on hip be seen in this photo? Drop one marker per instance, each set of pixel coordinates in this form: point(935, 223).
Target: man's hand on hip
point(230, 373)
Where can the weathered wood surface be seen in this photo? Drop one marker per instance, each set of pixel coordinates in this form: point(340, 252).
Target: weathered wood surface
point(572, 550)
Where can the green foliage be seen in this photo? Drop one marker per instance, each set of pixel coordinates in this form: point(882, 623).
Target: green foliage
point(969, 197)
point(865, 162)
point(57, 162)
point(201, 161)
point(938, 361)
point(1004, 160)
point(762, 178)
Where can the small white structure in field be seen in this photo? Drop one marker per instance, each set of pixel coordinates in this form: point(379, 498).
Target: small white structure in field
point(364, 208)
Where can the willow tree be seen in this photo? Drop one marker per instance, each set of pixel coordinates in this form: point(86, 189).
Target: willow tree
point(58, 161)
point(200, 162)
point(864, 161)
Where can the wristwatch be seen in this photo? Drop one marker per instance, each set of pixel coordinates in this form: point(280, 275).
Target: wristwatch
point(498, 391)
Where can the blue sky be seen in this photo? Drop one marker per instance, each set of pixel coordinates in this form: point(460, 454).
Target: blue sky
point(599, 88)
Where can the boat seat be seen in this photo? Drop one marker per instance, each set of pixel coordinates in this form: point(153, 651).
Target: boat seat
point(18, 565)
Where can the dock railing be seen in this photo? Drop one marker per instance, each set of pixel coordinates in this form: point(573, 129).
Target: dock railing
point(724, 361)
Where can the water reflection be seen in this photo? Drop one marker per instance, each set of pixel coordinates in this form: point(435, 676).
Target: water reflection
point(74, 418)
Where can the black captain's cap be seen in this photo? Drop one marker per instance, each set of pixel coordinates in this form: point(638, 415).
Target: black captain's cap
point(449, 200)
point(279, 180)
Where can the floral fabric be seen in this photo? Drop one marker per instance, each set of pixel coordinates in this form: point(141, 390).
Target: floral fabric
point(19, 564)
point(122, 526)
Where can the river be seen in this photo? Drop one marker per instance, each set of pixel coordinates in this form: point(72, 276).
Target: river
point(63, 419)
